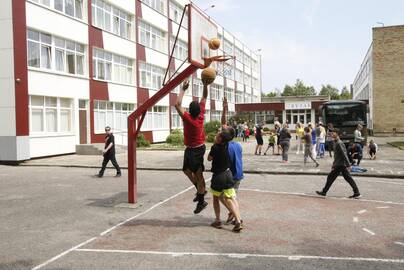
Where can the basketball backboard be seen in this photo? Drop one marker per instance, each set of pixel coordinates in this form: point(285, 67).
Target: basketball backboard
point(200, 30)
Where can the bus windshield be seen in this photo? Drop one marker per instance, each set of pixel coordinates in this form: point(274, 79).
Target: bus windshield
point(345, 114)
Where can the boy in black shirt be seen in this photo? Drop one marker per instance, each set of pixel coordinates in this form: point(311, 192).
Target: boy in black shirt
point(222, 184)
point(109, 153)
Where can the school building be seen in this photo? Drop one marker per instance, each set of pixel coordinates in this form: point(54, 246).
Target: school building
point(290, 109)
point(71, 67)
point(380, 80)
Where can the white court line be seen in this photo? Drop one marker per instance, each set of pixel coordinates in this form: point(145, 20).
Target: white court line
point(399, 243)
point(383, 182)
point(63, 254)
point(355, 219)
point(383, 207)
point(112, 228)
point(368, 231)
point(317, 196)
point(241, 255)
point(362, 211)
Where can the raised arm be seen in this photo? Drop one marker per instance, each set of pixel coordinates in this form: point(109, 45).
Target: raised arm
point(224, 112)
point(178, 105)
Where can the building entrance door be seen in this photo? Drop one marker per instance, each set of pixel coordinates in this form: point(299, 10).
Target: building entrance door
point(296, 116)
point(83, 121)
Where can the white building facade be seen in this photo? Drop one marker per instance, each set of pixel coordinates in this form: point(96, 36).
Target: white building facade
point(71, 67)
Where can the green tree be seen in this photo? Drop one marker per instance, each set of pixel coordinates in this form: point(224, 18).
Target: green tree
point(329, 90)
point(270, 94)
point(299, 89)
point(345, 93)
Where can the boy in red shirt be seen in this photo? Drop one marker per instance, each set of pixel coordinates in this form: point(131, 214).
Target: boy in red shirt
point(194, 140)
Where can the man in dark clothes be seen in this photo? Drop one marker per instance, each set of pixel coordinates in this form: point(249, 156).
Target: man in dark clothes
point(109, 153)
point(258, 137)
point(341, 165)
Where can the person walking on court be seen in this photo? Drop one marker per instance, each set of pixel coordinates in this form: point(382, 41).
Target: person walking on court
point(328, 140)
point(285, 142)
point(109, 153)
point(299, 136)
point(194, 140)
point(258, 137)
point(307, 146)
point(342, 166)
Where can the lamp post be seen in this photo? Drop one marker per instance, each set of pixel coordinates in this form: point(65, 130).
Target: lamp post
point(206, 9)
point(380, 23)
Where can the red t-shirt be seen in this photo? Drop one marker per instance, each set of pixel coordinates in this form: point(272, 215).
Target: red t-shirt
point(194, 134)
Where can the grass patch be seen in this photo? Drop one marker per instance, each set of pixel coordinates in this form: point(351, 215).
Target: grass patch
point(399, 145)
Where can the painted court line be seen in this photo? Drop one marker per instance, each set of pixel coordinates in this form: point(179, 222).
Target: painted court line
point(112, 228)
point(368, 231)
point(362, 211)
point(240, 255)
point(399, 243)
point(383, 207)
point(63, 254)
point(317, 196)
point(355, 219)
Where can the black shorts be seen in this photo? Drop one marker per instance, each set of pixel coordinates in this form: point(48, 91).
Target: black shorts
point(193, 158)
point(259, 139)
point(222, 180)
point(271, 144)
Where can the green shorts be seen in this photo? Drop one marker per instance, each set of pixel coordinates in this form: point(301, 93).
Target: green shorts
point(228, 193)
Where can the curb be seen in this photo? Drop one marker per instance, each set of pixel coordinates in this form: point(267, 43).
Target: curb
point(372, 175)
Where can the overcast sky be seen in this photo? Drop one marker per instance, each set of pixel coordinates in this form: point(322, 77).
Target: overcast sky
point(318, 41)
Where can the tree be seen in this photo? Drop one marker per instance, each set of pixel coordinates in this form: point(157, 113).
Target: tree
point(345, 93)
point(299, 89)
point(271, 94)
point(329, 90)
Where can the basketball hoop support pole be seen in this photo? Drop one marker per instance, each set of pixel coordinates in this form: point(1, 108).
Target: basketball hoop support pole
point(135, 121)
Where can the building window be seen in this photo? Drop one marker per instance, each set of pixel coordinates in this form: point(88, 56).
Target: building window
point(156, 118)
point(247, 60)
point(112, 19)
point(181, 49)
point(152, 37)
point(176, 14)
point(197, 88)
point(158, 5)
point(72, 8)
point(151, 77)
point(206, 116)
point(111, 114)
point(112, 67)
point(215, 115)
point(176, 121)
point(42, 2)
point(239, 54)
point(228, 47)
point(228, 71)
point(45, 51)
point(229, 94)
point(216, 92)
point(247, 79)
point(239, 97)
point(50, 114)
point(239, 75)
point(247, 98)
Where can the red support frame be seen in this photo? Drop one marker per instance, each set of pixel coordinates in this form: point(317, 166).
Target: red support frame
point(135, 121)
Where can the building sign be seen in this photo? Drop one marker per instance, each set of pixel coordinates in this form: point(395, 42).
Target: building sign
point(297, 105)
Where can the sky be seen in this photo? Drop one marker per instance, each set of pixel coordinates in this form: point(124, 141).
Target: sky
point(317, 41)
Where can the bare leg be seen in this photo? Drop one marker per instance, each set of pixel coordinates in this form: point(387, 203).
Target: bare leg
point(234, 209)
point(191, 176)
point(216, 207)
point(200, 182)
point(256, 149)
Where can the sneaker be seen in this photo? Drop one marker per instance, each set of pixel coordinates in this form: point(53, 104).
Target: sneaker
point(321, 193)
point(238, 227)
point(98, 175)
point(196, 196)
point(265, 154)
point(317, 164)
point(118, 175)
point(355, 196)
point(200, 207)
point(216, 224)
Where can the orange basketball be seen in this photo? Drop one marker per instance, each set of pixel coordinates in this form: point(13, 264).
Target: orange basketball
point(214, 43)
point(208, 75)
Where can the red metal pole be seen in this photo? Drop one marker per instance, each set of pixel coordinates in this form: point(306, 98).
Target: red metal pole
point(135, 121)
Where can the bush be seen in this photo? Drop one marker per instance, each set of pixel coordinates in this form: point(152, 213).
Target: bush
point(211, 137)
point(142, 142)
point(175, 138)
point(212, 127)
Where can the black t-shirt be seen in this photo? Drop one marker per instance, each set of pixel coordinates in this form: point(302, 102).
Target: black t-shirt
point(220, 155)
point(110, 139)
point(258, 131)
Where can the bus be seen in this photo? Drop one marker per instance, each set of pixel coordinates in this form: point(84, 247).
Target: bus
point(345, 115)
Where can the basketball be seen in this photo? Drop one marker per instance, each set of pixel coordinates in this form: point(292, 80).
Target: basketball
point(208, 75)
point(214, 43)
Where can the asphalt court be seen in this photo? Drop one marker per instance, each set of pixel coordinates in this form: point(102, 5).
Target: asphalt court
point(282, 230)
